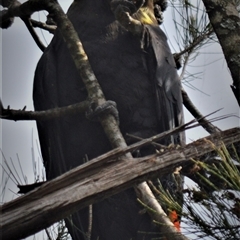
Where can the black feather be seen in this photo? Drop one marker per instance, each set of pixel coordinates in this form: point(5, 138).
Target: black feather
point(140, 78)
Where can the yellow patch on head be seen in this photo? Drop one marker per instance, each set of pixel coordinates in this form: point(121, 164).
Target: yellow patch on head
point(145, 16)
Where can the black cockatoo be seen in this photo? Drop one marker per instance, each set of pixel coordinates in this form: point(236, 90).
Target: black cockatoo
point(138, 72)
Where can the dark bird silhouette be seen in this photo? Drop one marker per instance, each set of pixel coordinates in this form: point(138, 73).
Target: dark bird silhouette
point(139, 74)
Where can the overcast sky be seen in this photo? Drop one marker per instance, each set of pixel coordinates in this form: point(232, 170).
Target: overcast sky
point(210, 92)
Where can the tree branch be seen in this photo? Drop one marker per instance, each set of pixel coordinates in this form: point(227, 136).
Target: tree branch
point(225, 20)
point(17, 115)
point(207, 125)
point(96, 180)
point(198, 40)
point(195, 43)
point(34, 35)
point(44, 26)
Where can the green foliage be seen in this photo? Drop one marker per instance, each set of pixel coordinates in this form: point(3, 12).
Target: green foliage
point(212, 211)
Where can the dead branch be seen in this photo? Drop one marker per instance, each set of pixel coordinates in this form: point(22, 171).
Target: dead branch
point(17, 115)
point(7, 18)
point(207, 125)
point(34, 35)
point(195, 43)
point(44, 26)
point(95, 180)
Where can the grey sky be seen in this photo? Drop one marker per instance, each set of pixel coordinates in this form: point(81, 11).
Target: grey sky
point(20, 56)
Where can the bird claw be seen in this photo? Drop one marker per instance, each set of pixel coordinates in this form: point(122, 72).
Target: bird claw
point(94, 113)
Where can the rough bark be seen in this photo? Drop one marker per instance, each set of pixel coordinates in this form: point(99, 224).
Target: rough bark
point(225, 20)
point(94, 181)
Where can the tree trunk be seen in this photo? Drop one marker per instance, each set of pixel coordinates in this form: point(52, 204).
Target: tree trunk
point(225, 20)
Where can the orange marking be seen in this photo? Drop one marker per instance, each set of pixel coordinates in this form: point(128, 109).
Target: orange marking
point(174, 219)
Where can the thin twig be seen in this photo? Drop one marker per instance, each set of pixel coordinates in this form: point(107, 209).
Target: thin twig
point(207, 125)
point(34, 35)
point(192, 46)
point(44, 26)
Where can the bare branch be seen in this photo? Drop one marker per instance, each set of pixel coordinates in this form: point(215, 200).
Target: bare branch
point(14, 9)
point(44, 26)
point(6, 18)
point(94, 181)
point(196, 31)
point(207, 125)
point(17, 115)
point(34, 35)
point(195, 43)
